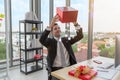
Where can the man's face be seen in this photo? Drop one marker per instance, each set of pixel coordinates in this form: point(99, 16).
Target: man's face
point(56, 31)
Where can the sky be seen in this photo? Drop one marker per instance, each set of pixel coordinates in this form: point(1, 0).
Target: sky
point(19, 8)
point(106, 13)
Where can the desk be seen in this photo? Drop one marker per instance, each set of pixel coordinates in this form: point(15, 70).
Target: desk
point(62, 74)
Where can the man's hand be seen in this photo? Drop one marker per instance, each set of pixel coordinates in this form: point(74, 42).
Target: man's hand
point(54, 19)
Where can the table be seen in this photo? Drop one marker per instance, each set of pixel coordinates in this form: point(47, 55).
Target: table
point(62, 74)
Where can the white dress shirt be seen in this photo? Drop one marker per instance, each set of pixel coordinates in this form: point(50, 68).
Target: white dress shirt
point(57, 61)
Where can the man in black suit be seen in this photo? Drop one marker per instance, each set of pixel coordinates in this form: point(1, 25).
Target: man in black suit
point(54, 45)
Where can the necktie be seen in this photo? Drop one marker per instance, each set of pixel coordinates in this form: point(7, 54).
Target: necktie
point(63, 62)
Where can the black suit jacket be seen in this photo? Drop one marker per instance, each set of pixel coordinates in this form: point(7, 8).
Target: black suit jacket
point(51, 45)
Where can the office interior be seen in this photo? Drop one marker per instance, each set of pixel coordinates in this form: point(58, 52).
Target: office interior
point(99, 20)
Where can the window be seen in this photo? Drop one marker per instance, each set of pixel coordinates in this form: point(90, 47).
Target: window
point(45, 12)
point(106, 26)
point(19, 9)
point(80, 48)
point(2, 34)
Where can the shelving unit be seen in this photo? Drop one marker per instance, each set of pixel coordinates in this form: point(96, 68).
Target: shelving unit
point(31, 51)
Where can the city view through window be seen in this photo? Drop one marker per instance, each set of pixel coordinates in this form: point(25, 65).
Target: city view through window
point(105, 26)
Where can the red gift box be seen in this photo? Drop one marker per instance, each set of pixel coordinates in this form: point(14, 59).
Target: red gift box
point(37, 56)
point(67, 14)
point(88, 76)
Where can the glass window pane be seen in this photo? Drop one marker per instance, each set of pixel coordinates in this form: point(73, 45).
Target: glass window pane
point(19, 9)
point(45, 12)
point(106, 26)
point(2, 35)
point(81, 46)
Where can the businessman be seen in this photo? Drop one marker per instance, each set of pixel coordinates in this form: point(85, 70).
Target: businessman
point(60, 53)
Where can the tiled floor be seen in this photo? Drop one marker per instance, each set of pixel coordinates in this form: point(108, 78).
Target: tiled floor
point(15, 74)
